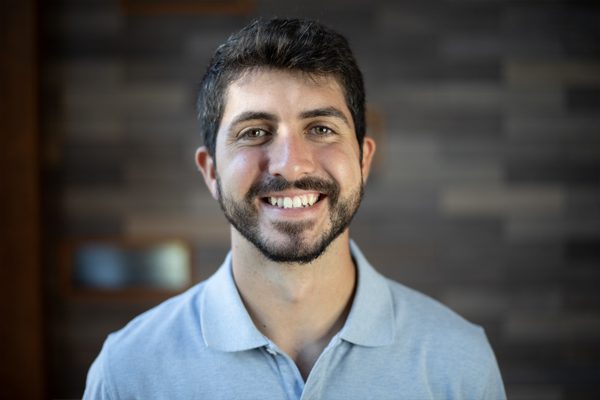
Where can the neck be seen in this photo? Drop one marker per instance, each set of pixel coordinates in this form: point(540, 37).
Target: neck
point(300, 307)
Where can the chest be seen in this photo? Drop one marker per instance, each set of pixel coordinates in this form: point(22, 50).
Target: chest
point(341, 372)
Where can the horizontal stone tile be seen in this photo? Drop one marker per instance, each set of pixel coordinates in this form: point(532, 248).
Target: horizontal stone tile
point(584, 201)
point(532, 228)
point(559, 327)
point(551, 129)
point(107, 226)
point(469, 125)
point(583, 99)
point(541, 300)
point(209, 230)
point(433, 97)
point(484, 200)
point(115, 201)
point(98, 73)
point(160, 130)
point(101, 18)
point(152, 99)
point(169, 173)
point(490, 46)
point(534, 392)
point(471, 301)
point(94, 128)
point(557, 171)
point(567, 72)
point(535, 101)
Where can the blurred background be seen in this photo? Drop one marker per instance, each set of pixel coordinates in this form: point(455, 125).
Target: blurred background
point(485, 193)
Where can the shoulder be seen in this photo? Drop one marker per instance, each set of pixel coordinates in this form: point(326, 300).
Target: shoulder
point(434, 323)
point(422, 311)
point(454, 352)
point(156, 337)
point(169, 320)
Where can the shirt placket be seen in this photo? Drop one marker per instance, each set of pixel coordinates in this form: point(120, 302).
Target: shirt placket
point(289, 375)
point(320, 371)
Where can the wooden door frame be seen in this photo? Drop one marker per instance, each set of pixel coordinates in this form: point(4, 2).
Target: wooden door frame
point(22, 367)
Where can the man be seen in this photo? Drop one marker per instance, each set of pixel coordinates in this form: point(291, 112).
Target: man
point(295, 311)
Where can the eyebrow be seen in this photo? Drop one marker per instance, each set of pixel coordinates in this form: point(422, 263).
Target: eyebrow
point(253, 115)
point(265, 116)
point(325, 112)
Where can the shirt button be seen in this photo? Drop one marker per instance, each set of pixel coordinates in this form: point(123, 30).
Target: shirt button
point(271, 351)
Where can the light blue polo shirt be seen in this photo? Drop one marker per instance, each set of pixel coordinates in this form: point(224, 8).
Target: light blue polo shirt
point(202, 344)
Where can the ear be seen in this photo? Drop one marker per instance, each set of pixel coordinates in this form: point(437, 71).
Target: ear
point(368, 150)
point(206, 166)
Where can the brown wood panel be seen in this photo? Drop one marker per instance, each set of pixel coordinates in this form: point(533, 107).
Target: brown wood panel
point(21, 336)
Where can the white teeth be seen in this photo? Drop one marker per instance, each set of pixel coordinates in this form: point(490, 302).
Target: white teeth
point(294, 202)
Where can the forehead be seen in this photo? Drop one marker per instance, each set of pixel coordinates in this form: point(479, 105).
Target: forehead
point(280, 91)
point(259, 75)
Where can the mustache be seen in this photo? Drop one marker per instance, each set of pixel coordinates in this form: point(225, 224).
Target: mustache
point(279, 183)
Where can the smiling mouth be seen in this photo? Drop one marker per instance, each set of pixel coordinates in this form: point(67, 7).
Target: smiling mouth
point(303, 201)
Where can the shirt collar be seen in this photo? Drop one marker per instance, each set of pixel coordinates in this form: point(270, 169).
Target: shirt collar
point(227, 326)
point(371, 319)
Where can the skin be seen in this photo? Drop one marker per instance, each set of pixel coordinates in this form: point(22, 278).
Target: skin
point(299, 307)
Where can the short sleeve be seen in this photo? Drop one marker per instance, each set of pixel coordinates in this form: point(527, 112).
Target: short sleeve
point(493, 387)
point(98, 384)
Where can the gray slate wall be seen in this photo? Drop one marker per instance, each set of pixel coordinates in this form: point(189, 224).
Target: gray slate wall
point(487, 190)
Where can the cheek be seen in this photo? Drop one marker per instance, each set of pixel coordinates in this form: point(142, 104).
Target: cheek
point(239, 171)
point(342, 164)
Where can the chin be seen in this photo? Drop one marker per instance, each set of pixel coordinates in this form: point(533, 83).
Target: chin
point(303, 248)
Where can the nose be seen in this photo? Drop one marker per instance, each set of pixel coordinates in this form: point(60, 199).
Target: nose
point(291, 156)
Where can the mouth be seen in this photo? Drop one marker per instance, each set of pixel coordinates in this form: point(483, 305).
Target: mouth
point(300, 201)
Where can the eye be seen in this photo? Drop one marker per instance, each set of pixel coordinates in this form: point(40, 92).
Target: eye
point(320, 130)
point(252, 133)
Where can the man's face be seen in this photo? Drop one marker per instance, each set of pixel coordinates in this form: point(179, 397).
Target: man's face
point(288, 175)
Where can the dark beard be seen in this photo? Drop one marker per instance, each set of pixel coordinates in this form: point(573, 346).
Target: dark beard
point(244, 217)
